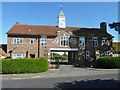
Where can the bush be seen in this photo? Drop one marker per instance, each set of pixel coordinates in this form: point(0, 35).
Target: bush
point(108, 62)
point(25, 65)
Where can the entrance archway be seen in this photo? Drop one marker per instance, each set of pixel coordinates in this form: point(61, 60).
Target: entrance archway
point(72, 53)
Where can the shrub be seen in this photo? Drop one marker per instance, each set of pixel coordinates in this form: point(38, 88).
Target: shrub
point(25, 65)
point(108, 62)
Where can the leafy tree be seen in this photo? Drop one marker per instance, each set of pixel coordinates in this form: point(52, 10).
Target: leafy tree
point(64, 54)
point(116, 26)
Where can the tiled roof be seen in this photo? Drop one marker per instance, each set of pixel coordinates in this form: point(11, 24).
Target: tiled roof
point(2, 52)
point(51, 30)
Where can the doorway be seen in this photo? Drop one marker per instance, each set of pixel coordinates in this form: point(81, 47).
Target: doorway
point(32, 55)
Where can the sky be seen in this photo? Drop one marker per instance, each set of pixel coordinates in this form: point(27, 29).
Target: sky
point(78, 14)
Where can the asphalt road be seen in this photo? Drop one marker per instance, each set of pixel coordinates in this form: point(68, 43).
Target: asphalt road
point(79, 78)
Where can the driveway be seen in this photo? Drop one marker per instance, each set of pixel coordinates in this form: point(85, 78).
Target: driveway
point(69, 71)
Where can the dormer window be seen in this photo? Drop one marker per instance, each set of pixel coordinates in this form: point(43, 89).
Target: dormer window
point(64, 41)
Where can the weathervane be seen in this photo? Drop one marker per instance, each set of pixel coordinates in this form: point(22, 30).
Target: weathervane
point(61, 7)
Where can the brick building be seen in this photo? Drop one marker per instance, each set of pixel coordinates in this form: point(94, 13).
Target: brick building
point(3, 51)
point(34, 41)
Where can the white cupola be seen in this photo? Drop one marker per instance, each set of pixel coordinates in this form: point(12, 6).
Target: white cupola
point(61, 19)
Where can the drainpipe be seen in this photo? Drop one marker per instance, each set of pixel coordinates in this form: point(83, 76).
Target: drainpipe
point(38, 46)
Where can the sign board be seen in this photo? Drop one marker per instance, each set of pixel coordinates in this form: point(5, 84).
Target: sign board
point(55, 41)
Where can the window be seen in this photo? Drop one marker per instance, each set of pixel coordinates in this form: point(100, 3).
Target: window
point(87, 54)
point(17, 41)
point(18, 56)
point(100, 53)
point(31, 41)
point(82, 41)
point(44, 40)
point(95, 41)
point(64, 41)
point(107, 53)
point(104, 40)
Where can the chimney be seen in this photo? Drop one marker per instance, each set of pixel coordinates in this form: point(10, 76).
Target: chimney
point(103, 26)
point(17, 22)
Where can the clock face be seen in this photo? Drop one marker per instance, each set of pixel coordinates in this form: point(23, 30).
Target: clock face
point(61, 23)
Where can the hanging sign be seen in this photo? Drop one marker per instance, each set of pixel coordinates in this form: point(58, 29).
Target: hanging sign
point(55, 41)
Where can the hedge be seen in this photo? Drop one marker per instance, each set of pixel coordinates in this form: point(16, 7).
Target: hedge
point(108, 62)
point(24, 65)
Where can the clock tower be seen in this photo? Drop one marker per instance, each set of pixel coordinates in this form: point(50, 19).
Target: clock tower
point(61, 19)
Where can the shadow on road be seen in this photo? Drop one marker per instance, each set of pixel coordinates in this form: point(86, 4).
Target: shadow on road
point(89, 84)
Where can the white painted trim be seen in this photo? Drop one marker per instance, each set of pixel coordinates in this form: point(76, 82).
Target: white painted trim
point(41, 39)
point(65, 39)
point(16, 40)
point(66, 49)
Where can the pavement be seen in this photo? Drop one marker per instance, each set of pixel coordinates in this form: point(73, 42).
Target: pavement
point(63, 71)
point(28, 75)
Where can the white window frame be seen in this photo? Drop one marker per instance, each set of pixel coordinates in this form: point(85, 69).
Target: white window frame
point(31, 40)
point(103, 40)
point(93, 39)
point(87, 54)
point(82, 39)
point(44, 41)
point(14, 56)
point(63, 41)
point(107, 53)
point(17, 41)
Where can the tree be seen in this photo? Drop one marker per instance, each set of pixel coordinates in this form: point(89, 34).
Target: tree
point(116, 26)
point(64, 54)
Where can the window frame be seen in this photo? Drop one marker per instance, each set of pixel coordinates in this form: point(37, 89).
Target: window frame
point(44, 41)
point(94, 41)
point(103, 38)
point(18, 40)
point(100, 53)
point(87, 55)
point(18, 55)
point(64, 39)
point(107, 53)
point(31, 40)
point(82, 42)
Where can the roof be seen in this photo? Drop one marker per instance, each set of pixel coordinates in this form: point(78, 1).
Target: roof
point(3, 52)
point(51, 30)
point(61, 13)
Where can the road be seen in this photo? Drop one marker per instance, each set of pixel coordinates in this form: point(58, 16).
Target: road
point(69, 77)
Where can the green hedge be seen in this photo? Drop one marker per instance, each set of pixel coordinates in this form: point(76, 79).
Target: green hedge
point(108, 62)
point(25, 65)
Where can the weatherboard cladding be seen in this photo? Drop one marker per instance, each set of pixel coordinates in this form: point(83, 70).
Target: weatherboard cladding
point(51, 30)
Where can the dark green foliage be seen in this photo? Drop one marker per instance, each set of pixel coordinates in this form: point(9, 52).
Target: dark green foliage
point(25, 65)
point(61, 57)
point(108, 62)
